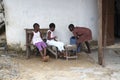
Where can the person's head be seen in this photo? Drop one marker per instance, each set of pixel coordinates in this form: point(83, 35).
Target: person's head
point(36, 26)
point(52, 26)
point(71, 27)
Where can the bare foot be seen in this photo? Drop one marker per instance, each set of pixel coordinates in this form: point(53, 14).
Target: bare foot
point(45, 59)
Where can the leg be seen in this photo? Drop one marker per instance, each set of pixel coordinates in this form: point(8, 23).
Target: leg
point(78, 47)
point(42, 47)
point(63, 54)
point(88, 46)
point(44, 51)
point(45, 57)
point(39, 48)
point(58, 44)
point(60, 54)
point(41, 53)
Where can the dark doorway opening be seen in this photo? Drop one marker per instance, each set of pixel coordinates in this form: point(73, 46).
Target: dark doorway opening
point(117, 21)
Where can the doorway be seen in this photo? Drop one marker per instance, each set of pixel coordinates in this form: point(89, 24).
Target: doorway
point(117, 21)
point(108, 22)
point(111, 21)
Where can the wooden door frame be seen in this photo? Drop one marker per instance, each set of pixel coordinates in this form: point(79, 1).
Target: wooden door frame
point(100, 39)
point(101, 36)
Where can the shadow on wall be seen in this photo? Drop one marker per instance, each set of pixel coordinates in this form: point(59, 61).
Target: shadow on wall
point(2, 27)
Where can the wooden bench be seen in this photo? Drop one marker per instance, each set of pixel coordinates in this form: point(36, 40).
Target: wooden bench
point(51, 49)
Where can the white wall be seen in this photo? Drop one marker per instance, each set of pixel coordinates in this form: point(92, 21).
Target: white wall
point(21, 14)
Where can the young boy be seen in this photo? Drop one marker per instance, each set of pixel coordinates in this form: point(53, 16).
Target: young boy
point(81, 34)
point(38, 42)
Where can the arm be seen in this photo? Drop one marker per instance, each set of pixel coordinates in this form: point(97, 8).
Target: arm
point(41, 35)
point(77, 34)
point(49, 36)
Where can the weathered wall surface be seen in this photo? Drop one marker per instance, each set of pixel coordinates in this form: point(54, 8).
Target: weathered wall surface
point(21, 14)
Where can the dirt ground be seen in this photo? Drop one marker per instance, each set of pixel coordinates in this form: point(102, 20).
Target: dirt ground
point(86, 67)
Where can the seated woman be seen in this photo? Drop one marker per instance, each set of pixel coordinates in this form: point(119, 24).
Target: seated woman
point(51, 39)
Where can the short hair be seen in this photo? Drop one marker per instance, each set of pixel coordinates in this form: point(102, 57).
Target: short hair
point(71, 26)
point(52, 25)
point(35, 24)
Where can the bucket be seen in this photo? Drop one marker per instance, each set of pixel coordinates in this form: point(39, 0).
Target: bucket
point(73, 42)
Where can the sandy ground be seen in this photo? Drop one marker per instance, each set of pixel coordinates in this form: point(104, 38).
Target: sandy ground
point(16, 67)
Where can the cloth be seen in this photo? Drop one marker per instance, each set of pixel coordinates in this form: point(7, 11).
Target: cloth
point(37, 41)
point(36, 37)
point(83, 33)
point(40, 45)
point(58, 44)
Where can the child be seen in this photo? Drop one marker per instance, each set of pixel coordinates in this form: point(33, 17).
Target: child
point(38, 42)
point(81, 34)
point(51, 39)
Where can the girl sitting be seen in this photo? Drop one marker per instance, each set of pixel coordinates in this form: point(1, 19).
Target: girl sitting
point(51, 40)
point(38, 42)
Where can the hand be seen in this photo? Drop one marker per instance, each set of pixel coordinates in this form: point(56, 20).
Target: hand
point(55, 37)
point(78, 37)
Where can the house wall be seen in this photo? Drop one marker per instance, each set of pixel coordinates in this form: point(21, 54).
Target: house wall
point(21, 14)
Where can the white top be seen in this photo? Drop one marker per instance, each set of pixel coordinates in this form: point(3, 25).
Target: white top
point(52, 34)
point(36, 37)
